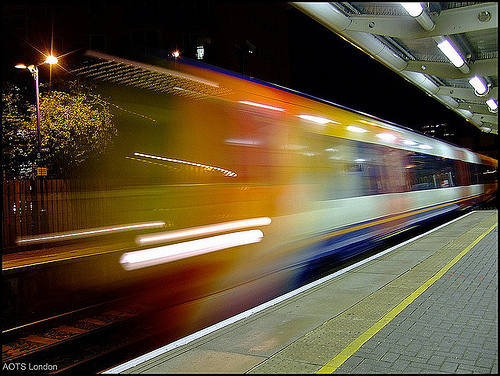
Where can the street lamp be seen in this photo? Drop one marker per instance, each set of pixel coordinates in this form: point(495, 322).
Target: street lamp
point(34, 71)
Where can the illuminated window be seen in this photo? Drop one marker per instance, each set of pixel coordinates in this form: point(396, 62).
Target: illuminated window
point(200, 52)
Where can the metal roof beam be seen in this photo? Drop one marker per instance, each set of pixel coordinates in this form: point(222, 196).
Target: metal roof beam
point(490, 119)
point(466, 19)
point(466, 93)
point(391, 26)
point(448, 22)
point(476, 108)
point(486, 67)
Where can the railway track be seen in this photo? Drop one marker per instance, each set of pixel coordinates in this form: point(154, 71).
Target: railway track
point(86, 341)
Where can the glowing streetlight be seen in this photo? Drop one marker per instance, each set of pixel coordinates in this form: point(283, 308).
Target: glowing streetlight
point(40, 171)
point(51, 60)
point(34, 71)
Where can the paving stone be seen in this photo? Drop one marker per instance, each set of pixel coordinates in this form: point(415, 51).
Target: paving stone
point(450, 321)
point(449, 367)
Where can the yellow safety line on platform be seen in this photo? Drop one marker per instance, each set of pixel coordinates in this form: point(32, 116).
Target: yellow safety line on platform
point(354, 346)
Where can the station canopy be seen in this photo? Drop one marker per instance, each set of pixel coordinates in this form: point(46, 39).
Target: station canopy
point(447, 49)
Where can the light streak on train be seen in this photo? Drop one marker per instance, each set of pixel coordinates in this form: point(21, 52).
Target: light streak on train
point(203, 230)
point(87, 232)
point(169, 253)
point(387, 137)
point(317, 119)
point(201, 165)
point(355, 129)
point(261, 105)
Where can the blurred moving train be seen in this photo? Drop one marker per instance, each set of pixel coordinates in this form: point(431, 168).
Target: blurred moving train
point(238, 189)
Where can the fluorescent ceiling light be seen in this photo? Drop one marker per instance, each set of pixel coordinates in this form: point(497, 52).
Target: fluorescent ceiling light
point(478, 85)
point(451, 53)
point(492, 104)
point(414, 9)
point(352, 128)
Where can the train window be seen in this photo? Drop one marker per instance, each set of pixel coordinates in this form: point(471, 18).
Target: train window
point(354, 174)
point(351, 168)
point(475, 173)
point(489, 174)
point(257, 146)
point(482, 174)
point(428, 171)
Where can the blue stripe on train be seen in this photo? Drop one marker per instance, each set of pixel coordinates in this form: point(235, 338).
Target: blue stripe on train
point(324, 254)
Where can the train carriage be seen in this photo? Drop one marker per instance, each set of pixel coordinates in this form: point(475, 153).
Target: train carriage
point(249, 187)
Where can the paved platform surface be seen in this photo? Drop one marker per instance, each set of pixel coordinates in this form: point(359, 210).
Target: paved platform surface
point(430, 306)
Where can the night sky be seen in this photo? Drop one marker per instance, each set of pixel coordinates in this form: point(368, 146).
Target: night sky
point(325, 65)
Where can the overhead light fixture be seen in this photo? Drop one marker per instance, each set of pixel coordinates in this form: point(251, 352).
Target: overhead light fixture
point(451, 53)
point(413, 9)
point(492, 105)
point(479, 86)
point(416, 10)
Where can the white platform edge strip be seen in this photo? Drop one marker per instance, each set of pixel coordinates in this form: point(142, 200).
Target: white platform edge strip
point(231, 320)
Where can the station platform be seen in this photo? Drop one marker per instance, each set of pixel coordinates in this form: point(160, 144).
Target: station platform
point(428, 305)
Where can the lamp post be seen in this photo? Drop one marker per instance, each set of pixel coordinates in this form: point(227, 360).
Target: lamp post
point(34, 72)
point(43, 225)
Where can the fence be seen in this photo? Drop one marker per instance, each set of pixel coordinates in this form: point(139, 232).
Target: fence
point(42, 206)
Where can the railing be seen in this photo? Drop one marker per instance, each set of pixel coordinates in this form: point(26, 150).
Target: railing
point(41, 206)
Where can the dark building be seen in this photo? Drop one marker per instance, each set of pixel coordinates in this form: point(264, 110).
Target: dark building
point(470, 138)
point(441, 131)
point(249, 38)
